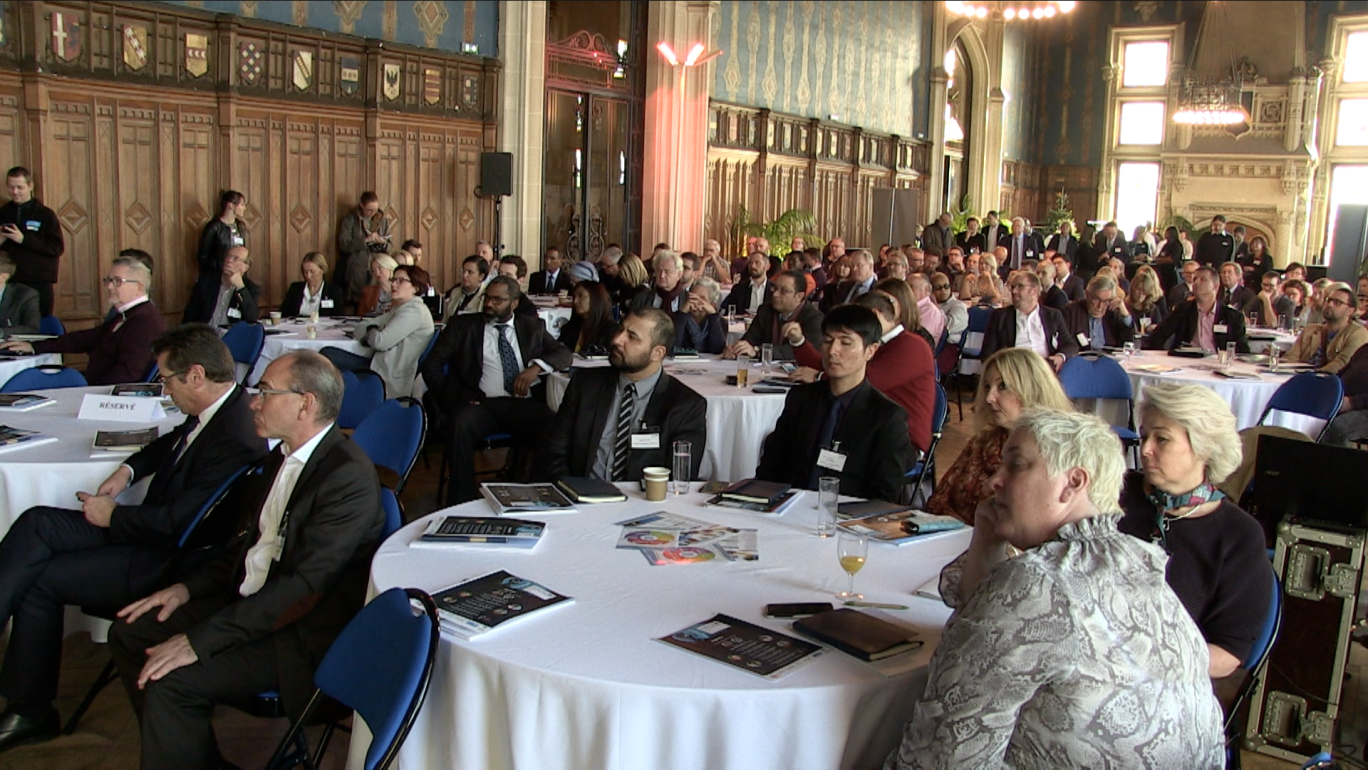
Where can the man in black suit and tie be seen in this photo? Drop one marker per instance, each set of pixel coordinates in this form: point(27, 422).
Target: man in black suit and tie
point(226, 298)
point(938, 234)
point(1111, 243)
point(1021, 246)
point(260, 616)
point(1202, 322)
point(18, 303)
point(616, 421)
point(1100, 319)
point(1064, 242)
point(861, 281)
point(483, 376)
point(748, 295)
point(106, 554)
point(841, 425)
point(1028, 324)
point(1233, 291)
point(1069, 283)
point(785, 305)
point(550, 279)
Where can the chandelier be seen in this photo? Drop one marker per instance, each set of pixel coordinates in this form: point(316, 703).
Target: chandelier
point(1206, 101)
point(1009, 10)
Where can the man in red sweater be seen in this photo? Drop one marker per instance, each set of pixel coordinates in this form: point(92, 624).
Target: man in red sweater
point(902, 369)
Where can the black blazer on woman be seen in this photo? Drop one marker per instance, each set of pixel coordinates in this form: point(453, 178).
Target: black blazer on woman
point(572, 328)
point(294, 297)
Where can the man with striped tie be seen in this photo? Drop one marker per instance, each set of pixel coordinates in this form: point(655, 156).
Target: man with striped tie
point(615, 421)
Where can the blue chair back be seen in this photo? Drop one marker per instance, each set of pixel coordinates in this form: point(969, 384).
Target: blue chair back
point(1268, 632)
point(209, 504)
point(941, 412)
point(1314, 394)
point(978, 322)
point(380, 666)
point(245, 342)
point(430, 343)
point(152, 372)
point(51, 324)
point(394, 514)
point(1099, 377)
point(391, 436)
point(362, 394)
point(940, 343)
point(43, 378)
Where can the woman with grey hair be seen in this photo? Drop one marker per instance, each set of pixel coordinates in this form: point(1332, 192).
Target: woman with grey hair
point(698, 325)
point(1075, 653)
point(1218, 562)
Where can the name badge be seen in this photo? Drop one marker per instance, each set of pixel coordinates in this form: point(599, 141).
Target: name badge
point(234, 313)
point(833, 461)
point(237, 240)
point(645, 440)
point(142, 409)
point(32, 225)
point(1219, 329)
point(326, 304)
point(1082, 339)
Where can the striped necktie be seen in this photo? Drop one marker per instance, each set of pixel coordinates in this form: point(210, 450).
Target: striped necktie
point(624, 432)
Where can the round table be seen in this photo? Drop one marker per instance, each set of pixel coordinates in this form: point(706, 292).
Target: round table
point(292, 335)
point(12, 366)
point(1261, 338)
point(554, 317)
point(586, 686)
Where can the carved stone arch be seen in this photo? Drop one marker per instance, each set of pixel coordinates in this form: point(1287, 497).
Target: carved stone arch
point(982, 165)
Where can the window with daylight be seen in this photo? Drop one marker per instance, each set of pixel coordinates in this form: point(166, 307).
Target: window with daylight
point(1356, 58)
point(1142, 123)
point(1348, 187)
point(1145, 64)
point(1353, 123)
point(1137, 194)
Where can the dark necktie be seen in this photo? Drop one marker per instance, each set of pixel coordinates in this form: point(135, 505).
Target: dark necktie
point(507, 358)
point(550, 283)
point(190, 424)
point(621, 444)
point(824, 438)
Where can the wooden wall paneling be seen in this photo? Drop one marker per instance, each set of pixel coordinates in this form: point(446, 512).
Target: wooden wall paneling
point(196, 194)
point(434, 191)
point(70, 183)
point(256, 173)
point(12, 133)
point(303, 199)
point(137, 182)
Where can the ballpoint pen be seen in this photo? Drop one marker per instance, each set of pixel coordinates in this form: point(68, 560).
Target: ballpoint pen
point(877, 605)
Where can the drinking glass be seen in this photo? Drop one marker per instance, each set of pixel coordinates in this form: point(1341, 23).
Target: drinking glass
point(828, 492)
point(683, 467)
point(1128, 350)
point(1145, 322)
point(731, 316)
point(851, 549)
point(742, 371)
point(766, 359)
point(1282, 322)
point(1253, 320)
point(1230, 353)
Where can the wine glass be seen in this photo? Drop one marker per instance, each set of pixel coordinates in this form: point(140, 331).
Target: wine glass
point(851, 548)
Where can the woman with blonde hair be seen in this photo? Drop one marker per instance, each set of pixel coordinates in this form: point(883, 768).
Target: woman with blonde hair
point(313, 294)
point(632, 273)
point(1145, 298)
point(1014, 380)
point(1218, 564)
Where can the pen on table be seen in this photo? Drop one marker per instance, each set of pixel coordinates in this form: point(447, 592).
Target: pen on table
point(878, 606)
point(927, 595)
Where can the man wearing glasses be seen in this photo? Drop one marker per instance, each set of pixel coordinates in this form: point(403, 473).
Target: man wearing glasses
point(1329, 346)
point(120, 349)
point(106, 555)
point(785, 306)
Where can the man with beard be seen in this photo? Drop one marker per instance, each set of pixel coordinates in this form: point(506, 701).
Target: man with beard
point(747, 296)
point(616, 421)
point(483, 376)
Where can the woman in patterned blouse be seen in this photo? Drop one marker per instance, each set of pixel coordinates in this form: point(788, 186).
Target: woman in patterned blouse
point(1013, 381)
point(1076, 653)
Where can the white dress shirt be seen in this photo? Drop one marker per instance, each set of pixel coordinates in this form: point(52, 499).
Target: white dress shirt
point(274, 517)
point(1031, 332)
point(311, 302)
point(204, 418)
point(757, 297)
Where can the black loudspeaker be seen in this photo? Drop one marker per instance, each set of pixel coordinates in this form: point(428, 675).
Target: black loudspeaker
point(496, 174)
point(1348, 243)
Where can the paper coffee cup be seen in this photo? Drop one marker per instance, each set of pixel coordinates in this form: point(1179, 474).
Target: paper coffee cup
point(657, 481)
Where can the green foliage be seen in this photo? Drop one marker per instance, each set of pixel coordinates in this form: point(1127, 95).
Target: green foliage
point(1059, 213)
point(961, 216)
point(794, 223)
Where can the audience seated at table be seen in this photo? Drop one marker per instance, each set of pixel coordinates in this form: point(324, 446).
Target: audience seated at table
point(699, 326)
point(1233, 292)
point(227, 298)
point(1050, 294)
point(1101, 319)
point(667, 292)
point(1071, 284)
point(1274, 309)
point(1027, 324)
point(1181, 291)
point(1328, 346)
point(398, 336)
point(375, 295)
point(929, 316)
point(590, 328)
point(260, 617)
point(753, 290)
point(956, 314)
point(222, 233)
point(906, 307)
point(1316, 293)
point(552, 278)
point(1218, 564)
point(902, 368)
point(105, 555)
point(1202, 322)
point(515, 267)
point(120, 349)
point(483, 377)
point(467, 296)
point(786, 305)
point(1075, 653)
point(633, 279)
point(583, 271)
point(1297, 292)
point(1145, 300)
point(615, 421)
point(313, 294)
point(841, 425)
point(1351, 424)
point(861, 281)
point(1014, 381)
point(18, 303)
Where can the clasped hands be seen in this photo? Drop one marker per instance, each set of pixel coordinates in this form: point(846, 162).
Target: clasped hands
point(99, 507)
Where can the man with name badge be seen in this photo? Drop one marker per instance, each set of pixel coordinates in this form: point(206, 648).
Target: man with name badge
point(1203, 322)
point(227, 298)
point(31, 235)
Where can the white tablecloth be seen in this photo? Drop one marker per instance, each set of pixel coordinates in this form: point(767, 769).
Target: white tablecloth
point(554, 318)
point(330, 334)
point(12, 366)
point(585, 686)
point(739, 419)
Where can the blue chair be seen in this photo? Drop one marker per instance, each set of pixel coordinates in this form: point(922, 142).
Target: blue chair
point(391, 436)
point(1100, 377)
point(51, 324)
point(245, 342)
point(978, 323)
point(927, 465)
point(153, 372)
point(43, 378)
point(940, 343)
point(427, 350)
point(394, 512)
point(380, 666)
point(362, 394)
point(1314, 394)
point(1254, 664)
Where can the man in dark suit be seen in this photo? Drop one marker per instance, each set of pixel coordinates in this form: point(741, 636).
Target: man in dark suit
point(260, 616)
point(994, 234)
point(841, 425)
point(515, 267)
point(786, 305)
point(106, 554)
point(616, 421)
point(18, 303)
point(1111, 243)
point(1050, 294)
point(483, 377)
point(1217, 247)
point(31, 235)
point(754, 289)
point(1182, 290)
point(667, 292)
point(861, 281)
point(550, 279)
point(938, 234)
point(1233, 292)
point(226, 298)
point(1067, 281)
point(1021, 246)
point(1064, 242)
point(1101, 318)
point(1202, 322)
point(1028, 324)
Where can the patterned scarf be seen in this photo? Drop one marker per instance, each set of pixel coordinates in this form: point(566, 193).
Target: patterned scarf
point(1165, 502)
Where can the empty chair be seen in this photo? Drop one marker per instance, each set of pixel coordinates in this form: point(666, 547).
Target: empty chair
point(1101, 377)
point(245, 342)
point(926, 468)
point(391, 436)
point(43, 378)
point(363, 393)
point(51, 324)
point(1314, 394)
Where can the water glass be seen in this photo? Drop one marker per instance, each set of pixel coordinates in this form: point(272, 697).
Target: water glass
point(1253, 320)
point(1230, 352)
point(683, 467)
point(828, 492)
point(1282, 322)
point(766, 358)
point(1128, 350)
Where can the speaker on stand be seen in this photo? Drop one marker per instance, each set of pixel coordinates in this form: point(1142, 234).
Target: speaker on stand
point(496, 181)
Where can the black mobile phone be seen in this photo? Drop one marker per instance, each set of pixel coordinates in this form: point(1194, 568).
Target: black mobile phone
point(796, 610)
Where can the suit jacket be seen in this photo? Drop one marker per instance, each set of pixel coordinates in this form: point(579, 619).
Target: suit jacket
point(647, 297)
point(1337, 353)
point(993, 236)
point(872, 434)
point(205, 296)
point(398, 338)
point(1030, 249)
point(836, 294)
point(571, 444)
point(1214, 250)
point(19, 310)
point(742, 294)
point(933, 237)
point(332, 527)
point(36, 258)
point(537, 284)
point(972, 243)
point(215, 240)
point(1054, 297)
point(453, 302)
point(1178, 294)
point(1002, 328)
point(294, 298)
point(119, 350)
point(1115, 332)
point(765, 328)
point(1180, 328)
point(1237, 298)
point(452, 370)
point(706, 337)
point(1118, 247)
point(1282, 305)
point(1074, 288)
point(1069, 250)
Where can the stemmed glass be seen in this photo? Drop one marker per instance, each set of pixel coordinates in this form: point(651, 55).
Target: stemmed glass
point(851, 549)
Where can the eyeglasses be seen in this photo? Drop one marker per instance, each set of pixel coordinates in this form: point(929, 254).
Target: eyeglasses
point(400, 280)
point(264, 392)
point(1340, 302)
point(117, 282)
point(166, 376)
